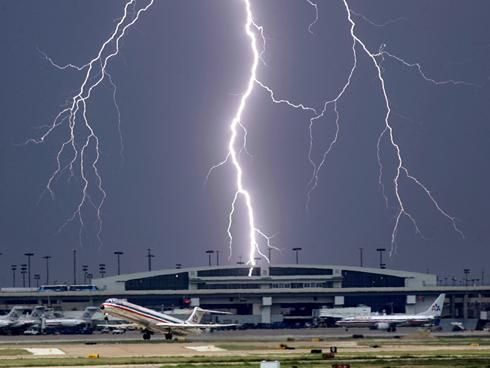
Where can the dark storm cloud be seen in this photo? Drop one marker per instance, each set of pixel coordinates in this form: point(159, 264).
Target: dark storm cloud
point(179, 76)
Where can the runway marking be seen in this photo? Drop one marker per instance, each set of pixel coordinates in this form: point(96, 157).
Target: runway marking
point(45, 351)
point(205, 348)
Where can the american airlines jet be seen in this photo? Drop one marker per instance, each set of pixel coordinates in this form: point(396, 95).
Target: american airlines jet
point(150, 321)
point(390, 322)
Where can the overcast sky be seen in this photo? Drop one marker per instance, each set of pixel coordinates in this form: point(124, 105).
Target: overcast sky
point(180, 74)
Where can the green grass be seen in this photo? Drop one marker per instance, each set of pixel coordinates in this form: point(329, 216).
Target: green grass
point(287, 361)
point(13, 352)
point(427, 341)
point(181, 361)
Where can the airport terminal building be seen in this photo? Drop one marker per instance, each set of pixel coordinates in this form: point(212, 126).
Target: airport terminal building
point(272, 294)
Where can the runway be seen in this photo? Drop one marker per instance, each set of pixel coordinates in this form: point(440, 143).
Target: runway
point(125, 349)
point(242, 335)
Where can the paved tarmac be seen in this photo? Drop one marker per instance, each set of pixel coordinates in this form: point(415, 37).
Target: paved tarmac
point(253, 335)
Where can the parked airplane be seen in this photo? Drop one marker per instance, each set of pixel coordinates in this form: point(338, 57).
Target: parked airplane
point(150, 321)
point(12, 316)
point(391, 322)
point(70, 325)
point(17, 320)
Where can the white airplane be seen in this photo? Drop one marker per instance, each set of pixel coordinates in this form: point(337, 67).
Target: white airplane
point(390, 322)
point(17, 320)
point(70, 323)
point(12, 316)
point(150, 321)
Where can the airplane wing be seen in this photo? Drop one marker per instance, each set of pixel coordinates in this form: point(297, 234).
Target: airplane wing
point(124, 326)
point(5, 323)
point(193, 325)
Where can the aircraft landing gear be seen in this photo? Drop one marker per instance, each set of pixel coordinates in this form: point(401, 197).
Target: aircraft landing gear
point(169, 335)
point(146, 335)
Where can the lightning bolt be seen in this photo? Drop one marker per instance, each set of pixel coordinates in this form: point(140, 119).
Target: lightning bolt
point(236, 125)
point(388, 131)
point(241, 191)
point(254, 233)
point(380, 25)
point(315, 7)
point(82, 140)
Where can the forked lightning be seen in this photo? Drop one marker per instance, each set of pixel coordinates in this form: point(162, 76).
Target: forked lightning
point(82, 136)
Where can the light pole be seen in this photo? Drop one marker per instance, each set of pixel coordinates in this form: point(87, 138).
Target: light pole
point(85, 270)
point(23, 271)
point(47, 268)
point(149, 256)
point(361, 256)
point(13, 268)
point(118, 254)
point(297, 249)
point(178, 266)
point(37, 277)
point(217, 257)
point(90, 277)
point(29, 255)
point(74, 266)
point(466, 273)
point(240, 262)
point(209, 252)
point(381, 250)
point(102, 270)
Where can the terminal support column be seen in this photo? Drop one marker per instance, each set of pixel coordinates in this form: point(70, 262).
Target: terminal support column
point(266, 309)
point(452, 307)
point(465, 306)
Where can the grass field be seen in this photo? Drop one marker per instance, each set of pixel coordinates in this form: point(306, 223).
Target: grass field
point(13, 351)
point(286, 362)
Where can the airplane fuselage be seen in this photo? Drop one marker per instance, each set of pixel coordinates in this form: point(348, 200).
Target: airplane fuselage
point(400, 320)
point(139, 315)
point(151, 321)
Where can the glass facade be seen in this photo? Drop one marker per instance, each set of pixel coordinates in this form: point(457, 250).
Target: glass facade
point(228, 272)
point(203, 285)
point(298, 271)
point(366, 279)
point(176, 281)
point(300, 285)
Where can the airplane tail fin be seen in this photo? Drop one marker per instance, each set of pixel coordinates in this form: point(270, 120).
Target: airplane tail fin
point(15, 313)
point(38, 312)
point(89, 312)
point(198, 313)
point(435, 309)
